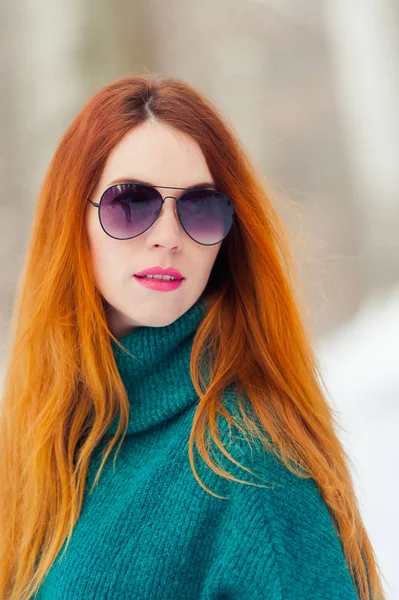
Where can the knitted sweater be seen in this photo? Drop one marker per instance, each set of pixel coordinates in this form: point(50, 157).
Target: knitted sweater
point(149, 531)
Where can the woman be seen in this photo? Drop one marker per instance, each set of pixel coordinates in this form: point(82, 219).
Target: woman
point(228, 480)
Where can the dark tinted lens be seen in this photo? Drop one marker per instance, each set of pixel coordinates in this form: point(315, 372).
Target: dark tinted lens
point(128, 209)
point(206, 215)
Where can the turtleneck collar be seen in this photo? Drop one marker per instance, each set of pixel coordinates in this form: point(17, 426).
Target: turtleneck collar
point(158, 380)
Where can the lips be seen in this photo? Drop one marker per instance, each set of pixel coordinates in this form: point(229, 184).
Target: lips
point(160, 285)
point(158, 270)
point(159, 279)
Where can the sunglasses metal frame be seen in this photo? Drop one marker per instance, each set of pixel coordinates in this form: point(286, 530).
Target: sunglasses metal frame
point(193, 189)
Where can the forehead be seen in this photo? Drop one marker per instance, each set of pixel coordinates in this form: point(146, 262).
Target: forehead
point(157, 154)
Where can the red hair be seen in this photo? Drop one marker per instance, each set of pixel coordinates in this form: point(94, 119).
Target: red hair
point(62, 388)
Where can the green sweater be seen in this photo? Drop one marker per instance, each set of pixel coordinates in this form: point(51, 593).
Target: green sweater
point(150, 531)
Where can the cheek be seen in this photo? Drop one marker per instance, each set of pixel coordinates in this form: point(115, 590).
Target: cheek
point(102, 263)
point(107, 259)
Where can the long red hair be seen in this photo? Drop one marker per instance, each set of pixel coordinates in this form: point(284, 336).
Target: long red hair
point(62, 388)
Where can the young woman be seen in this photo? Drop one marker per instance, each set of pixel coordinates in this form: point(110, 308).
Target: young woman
point(228, 479)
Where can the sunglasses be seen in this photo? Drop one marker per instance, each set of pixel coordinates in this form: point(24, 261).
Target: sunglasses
point(127, 210)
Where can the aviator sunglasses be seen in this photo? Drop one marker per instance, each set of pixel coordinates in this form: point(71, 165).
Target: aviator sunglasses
point(126, 210)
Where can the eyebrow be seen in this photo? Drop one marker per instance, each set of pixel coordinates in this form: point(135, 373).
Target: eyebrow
point(120, 180)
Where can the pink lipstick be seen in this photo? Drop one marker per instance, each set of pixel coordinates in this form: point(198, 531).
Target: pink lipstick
point(161, 285)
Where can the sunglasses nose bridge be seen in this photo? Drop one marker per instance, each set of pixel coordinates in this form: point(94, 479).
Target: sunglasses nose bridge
point(174, 209)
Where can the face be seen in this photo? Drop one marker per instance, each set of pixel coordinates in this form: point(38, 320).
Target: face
point(162, 156)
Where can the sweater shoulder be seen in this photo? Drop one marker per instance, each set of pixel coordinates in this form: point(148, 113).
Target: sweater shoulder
point(287, 492)
point(287, 515)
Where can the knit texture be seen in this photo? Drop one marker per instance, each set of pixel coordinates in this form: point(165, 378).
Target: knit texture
point(149, 531)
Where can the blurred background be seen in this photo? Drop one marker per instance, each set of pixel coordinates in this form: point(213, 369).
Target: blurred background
point(312, 90)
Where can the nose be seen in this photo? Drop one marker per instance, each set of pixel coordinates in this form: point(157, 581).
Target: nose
point(166, 233)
